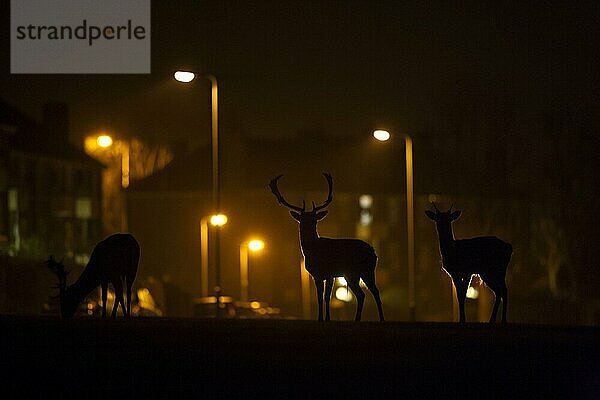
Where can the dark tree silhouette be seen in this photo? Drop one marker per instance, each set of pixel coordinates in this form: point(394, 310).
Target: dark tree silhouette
point(326, 258)
point(114, 260)
point(486, 256)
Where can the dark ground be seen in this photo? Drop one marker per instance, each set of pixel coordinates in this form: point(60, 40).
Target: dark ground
point(168, 358)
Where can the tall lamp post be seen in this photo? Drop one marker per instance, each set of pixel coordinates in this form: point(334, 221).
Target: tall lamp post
point(186, 77)
point(254, 245)
point(383, 135)
point(217, 221)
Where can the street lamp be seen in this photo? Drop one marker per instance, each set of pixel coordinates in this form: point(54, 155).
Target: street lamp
point(186, 77)
point(189, 76)
point(104, 141)
point(217, 220)
point(254, 245)
point(383, 135)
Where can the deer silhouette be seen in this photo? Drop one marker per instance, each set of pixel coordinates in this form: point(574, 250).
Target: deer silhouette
point(115, 260)
point(327, 258)
point(486, 256)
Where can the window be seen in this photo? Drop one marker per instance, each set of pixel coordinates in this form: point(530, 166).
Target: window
point(83, 208)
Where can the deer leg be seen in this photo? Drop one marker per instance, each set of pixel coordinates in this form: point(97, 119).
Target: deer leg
point(497, 298)
point(319, 286)
point(499, 289)
point(370, 282)
point(354, 285)
point(129, 284)
point(328, 289)
point(461, 285)
point(504, 292)
point(118, 299)
point(113, 314)
point(104, 285)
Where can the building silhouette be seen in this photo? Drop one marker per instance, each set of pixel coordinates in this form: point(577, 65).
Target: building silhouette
point(50, 201)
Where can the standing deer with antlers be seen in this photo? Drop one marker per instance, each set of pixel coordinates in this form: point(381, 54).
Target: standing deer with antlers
point(486, 256)
point(114, 260)
point(326, 259)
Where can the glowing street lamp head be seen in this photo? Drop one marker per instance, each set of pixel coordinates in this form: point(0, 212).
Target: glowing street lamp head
point(256, 245)
point(184, 76)
point(218, 220)
point(104, 141)
point(381, 135)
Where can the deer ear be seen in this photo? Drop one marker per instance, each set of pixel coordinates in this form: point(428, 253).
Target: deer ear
point(455, 215)
point(430, 214)
point(295, 215)
point(321, 215)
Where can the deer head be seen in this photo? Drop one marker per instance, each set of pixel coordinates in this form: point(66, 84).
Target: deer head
point(305, 218)
point(443, 218)
point(58, 269)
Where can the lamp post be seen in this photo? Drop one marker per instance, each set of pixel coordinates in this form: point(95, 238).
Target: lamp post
point(383, 135)
point(217, 220)
point(122, 147)
point(186, 77)
point(204, 257)
point(254, 245)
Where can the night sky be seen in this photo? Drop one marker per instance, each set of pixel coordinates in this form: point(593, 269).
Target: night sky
point(334, 68)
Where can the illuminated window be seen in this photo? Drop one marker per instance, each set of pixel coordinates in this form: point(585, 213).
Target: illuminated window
point(365, 217)
point(81, 259)
point(13, 200)
point(83, 208)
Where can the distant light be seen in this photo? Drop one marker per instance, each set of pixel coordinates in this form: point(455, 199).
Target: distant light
point(472, 293)
point(104, 141)
point(184, 76)
point(343, 294)
point(381, 135)
point(365, 201)
point(341, 281)
point(255, 305)
point(82, 258)
point(256, 245)
point(365, 218)
point(218, 220)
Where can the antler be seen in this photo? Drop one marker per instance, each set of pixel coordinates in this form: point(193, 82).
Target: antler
point(329, 195)
point(58, 269)
point(435, 207)
point(280, 199)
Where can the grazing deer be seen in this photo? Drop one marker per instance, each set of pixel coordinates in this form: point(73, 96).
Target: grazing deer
point(114, 260)
point(326, 258)
point(486, 256)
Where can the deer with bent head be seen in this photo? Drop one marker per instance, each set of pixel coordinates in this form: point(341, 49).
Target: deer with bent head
point(326, 258)
point(114, 260)
point(486, 256)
